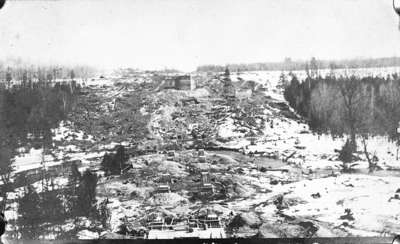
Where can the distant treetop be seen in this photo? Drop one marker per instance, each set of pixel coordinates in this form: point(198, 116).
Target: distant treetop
point(289, 64)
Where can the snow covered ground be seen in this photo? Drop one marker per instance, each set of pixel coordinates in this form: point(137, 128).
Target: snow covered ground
point(321, 199)
point(312, 189)
point(284, 136)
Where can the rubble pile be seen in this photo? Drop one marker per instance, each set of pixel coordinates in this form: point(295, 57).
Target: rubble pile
point(233, 154)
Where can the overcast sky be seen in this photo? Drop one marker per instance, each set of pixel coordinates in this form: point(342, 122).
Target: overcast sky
point(186, 33)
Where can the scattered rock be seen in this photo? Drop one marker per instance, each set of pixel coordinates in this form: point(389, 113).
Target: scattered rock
point(134, 194)
point(309, 228)
point(251, 219)
point(242, 190)
point(281, 202)
point(263, 169)
point(316, 195)
point(274, 182)
point(348, 215)
point(167, 199)
point(340, 202)
point(173, 168)
point(87, 234)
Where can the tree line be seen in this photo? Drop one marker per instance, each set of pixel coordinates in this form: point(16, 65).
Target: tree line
point(348, 105)
point(26, 73)
point(289, 64)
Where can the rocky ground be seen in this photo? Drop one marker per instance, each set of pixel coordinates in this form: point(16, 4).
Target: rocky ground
point(273, 177)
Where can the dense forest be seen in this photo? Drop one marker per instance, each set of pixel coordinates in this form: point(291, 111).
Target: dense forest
point(352, 106)
point(28, 114)
point(29, 110)
point(338, 105)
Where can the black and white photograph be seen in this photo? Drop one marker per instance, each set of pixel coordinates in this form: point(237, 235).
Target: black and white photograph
point(185, 120)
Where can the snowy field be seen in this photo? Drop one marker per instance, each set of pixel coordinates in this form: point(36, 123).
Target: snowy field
point(321, 198)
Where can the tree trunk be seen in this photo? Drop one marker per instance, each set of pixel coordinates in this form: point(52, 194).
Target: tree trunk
point(371, 165)
point(353, 138)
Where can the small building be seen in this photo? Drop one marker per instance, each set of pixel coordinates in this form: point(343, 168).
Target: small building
point(201, 153)
point(189, 101)
point(211, 220)
point(157, 224)
point(165, 178)
point(163, 189)
point(201, 157)
point(171, 155)
point(252, 140)
point(206, 187)
point(178, 82)
point(183, 82)
point(205, 178)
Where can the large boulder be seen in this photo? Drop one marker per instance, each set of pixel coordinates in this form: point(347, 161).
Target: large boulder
point(242, 190)
point(265, 231)
point(245, 219)
point(87, 234)
point(173, 168)
point(301, 229)
point(167, 199)
point(251, 219)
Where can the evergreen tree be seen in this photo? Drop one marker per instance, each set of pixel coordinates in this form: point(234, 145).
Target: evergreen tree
point(24, 78)
point(107, 163)
point(72, 74)
point(227, 73)
point(29, 214)
point(8, 77)
point(70, 193)
point(346, 154)
point(313, 67)
point(52, 207)
point(75, 175)
point(120, 158)
point(282, 83)
point(104, 213)
point(113, 164)
point(86, 201)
